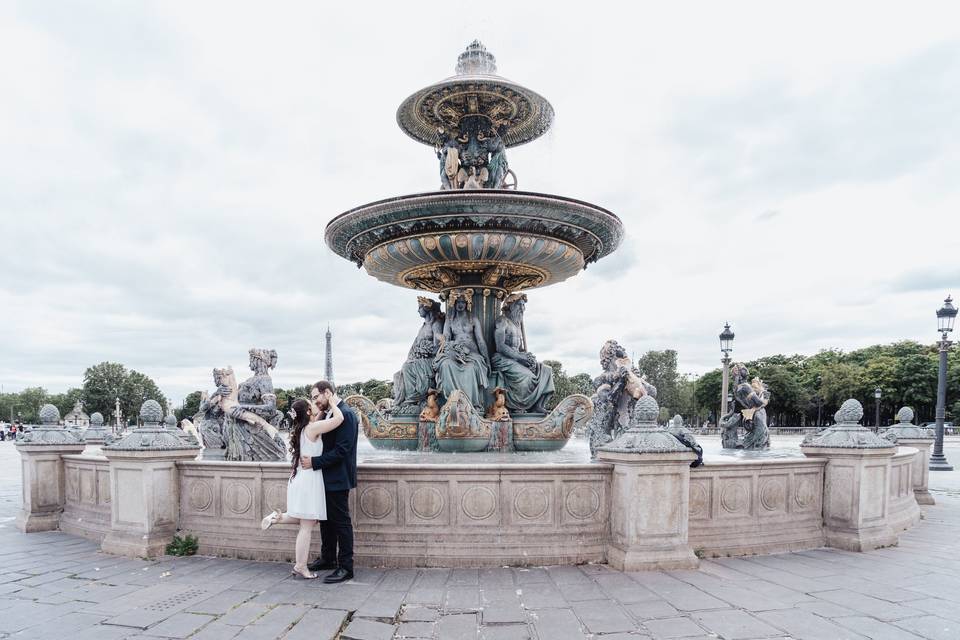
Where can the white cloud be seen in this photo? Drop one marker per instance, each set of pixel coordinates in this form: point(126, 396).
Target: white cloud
point(167, 171)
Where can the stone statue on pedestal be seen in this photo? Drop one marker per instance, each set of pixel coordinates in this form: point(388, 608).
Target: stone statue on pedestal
point(617, 390)
point(462, 361)
point(240, 422)
point(529, 384)
point(415, 378)
point(752, 399)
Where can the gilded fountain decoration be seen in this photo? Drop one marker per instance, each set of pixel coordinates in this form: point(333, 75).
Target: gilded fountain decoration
point(476, 243)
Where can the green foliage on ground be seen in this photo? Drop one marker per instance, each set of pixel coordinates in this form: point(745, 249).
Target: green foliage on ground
point(185, 546)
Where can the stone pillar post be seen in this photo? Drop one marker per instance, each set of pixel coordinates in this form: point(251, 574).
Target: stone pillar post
point(649, 495)
point(145, 486)
point(856, 493)
point(910, 435)
point(44, 480)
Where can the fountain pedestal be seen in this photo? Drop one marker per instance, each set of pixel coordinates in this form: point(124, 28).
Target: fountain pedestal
point(145, 487)
point(650, 496)
point(856, 505)
point(44, 478)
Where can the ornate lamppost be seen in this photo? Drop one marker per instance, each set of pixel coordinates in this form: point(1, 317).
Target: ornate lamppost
point(726, 346)
point(877, 393)
point(945, 317)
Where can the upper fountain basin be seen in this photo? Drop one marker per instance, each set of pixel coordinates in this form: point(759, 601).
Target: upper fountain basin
point(508, 239)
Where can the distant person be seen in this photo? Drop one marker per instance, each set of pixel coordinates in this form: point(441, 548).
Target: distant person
point(339, 465)
point(305, 491)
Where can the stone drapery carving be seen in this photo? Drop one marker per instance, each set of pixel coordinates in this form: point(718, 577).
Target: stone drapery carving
point(415, 378)
point(462, 362)
point(242, 420)
point(617, 390)
point(749, 411)
point(529, 384)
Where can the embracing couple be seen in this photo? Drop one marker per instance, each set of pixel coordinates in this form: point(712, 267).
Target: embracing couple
point(323, 444)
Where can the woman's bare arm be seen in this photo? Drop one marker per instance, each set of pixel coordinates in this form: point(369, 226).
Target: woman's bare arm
point(315, 429)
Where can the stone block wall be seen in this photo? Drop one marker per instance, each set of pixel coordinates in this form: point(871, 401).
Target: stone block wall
point(754, 507)
point(86, 511)
point(904, 510)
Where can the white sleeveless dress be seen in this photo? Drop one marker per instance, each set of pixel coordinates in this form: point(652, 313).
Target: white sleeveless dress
point(305, 497)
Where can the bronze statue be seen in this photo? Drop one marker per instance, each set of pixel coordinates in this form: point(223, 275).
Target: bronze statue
point(617, 390)
point(529, 383)
point(462, 361)
point(752, 415)
point(415, 378)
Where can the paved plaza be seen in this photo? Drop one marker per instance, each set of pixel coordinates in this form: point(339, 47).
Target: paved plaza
point(53, 585)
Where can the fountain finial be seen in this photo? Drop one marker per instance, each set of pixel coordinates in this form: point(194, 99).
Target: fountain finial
point(476, 60)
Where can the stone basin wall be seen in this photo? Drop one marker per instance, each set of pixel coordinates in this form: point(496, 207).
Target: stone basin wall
point(481, 515)
point(413, 515)
point(904, 510)
point(86, 511)
point(753, 507)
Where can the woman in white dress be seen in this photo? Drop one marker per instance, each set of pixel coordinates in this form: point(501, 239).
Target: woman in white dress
point(305, 497)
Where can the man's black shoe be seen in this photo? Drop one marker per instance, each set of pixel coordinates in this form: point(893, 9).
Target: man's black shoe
point(340, 575)
point(321, 565)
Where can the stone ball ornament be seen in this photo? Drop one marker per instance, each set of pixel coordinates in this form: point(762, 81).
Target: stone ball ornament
point(96, 419)
point(646, 411)
point(152, 436)
point(49, 415)
point(170, 421)
point(847, 433)
point(905, 415)
point(151, 412)
point(851, 411)
point(644, 434)
point(49, 432)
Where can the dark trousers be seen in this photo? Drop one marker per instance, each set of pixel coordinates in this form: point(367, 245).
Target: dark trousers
point(336, 532)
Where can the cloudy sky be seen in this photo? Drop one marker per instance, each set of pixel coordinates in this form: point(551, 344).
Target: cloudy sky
point(167, 170)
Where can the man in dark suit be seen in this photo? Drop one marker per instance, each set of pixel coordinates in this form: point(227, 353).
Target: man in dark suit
point(339, 465)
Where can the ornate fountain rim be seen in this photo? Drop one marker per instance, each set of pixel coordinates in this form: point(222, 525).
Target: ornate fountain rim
point(593, 230)
point(528, 116)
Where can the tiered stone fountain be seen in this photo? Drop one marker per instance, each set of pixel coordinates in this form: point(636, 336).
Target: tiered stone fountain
point(477, 242)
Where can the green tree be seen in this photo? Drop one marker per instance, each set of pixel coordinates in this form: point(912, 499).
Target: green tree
point(708, 394)
point(565, 385)
point(660, 367)
point(29, 402)
point(190, 407)
point(107, 381)
point(65, 402)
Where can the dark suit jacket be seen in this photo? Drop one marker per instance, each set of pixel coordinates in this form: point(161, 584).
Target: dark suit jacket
point(339, 458)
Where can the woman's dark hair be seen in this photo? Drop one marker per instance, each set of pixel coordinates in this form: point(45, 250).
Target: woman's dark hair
point(301, 418)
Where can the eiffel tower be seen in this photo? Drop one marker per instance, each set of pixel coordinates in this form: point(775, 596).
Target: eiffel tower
point(328, 370)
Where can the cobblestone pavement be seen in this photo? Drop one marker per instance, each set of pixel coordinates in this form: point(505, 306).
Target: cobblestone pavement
point(57, 586)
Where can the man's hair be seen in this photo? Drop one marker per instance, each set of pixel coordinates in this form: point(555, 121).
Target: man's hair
point(324, 385)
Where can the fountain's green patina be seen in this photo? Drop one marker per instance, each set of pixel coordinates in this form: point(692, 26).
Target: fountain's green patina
point(480, 241)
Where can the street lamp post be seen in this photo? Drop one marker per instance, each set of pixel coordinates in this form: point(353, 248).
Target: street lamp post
point(877, 393)
point(726, 346)
point(945, 317)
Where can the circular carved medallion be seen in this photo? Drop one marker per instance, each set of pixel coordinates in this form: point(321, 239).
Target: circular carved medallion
point(531, 503)
point(582, 502)
point(733, 497)
point(804, 495)
point(772, 495)
point(478, 503)
point(376, 502)
point(276, 497)
point(426, 503)
point(238, 498)
point(698, 499)
point(200, 496)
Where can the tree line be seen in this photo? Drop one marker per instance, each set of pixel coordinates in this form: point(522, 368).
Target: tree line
point(805, 390)
point(102, 385)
